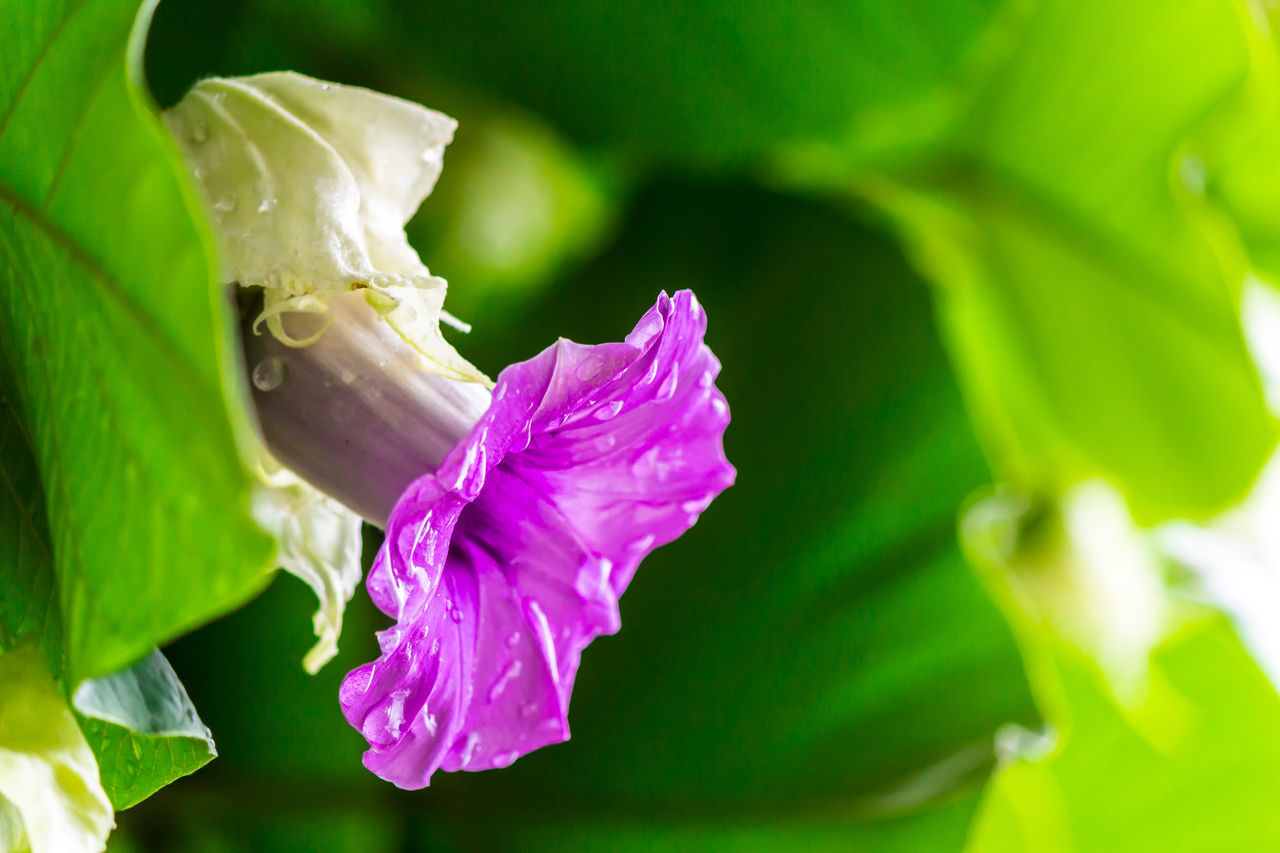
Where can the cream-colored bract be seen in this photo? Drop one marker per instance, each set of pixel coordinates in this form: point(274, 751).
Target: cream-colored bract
point(310, 185)
point(319, 542)
point(48, 775)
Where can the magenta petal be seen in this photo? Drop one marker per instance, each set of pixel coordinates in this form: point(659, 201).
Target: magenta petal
point(503, 565)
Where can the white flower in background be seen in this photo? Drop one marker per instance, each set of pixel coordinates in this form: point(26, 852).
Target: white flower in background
point(1236, 557)
point(1083, 569)
point(51, 798)
point(309, 185)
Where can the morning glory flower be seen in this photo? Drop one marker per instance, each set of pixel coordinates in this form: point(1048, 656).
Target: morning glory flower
point(503, 564)
point(516, 516)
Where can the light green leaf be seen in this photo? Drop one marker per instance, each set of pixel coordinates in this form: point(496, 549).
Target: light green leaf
point(1089, 296)
point(1207, 783)
point(117, 346)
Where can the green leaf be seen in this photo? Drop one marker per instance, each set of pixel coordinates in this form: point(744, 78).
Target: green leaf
point(1089, 295)
point(137, 750)
point(695, 83)
point(117, 346)
point(142, 725)
point(1206, 784)
point(122, 492)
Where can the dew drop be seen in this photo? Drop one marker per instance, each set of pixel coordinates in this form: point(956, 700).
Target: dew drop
point(324, 87)
point(266, 205)
point(347, 376)
point(504, 759)
point(268, 374)
point(668, 388)
point(609, 411)
point(512, 639)
point(528, 709)
point(226, 204)
point(512, 670)
point(199, 133)
point(469, 748)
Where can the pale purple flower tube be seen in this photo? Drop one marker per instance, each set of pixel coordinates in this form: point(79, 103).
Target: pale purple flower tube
point(502, 566)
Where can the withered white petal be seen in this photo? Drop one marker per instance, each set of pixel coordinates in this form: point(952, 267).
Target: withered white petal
point(48, 775)
point(310, 185)
point(319, 542)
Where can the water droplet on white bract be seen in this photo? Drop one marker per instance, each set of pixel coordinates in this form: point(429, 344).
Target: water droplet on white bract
point(324, 87)
point(268, 374)
point(266, 205)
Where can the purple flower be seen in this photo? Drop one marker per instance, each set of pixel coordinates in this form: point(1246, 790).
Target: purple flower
point(506, 562)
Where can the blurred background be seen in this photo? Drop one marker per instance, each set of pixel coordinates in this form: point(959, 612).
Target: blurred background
point(998, 572)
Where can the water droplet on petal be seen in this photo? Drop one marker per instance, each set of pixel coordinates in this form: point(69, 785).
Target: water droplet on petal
point(609, 411)
point(199, 132)
point(504, 759)
point(512, 639)
point(347, 376)
point(226, 204)
point(268, 374)
point(668, 388)
point(528, 709)
point(512, 670)
point(266, 205)
point(469, 748)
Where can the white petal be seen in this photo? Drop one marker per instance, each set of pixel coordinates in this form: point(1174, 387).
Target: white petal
point(310, 185)
point(48, 775)
point(319, 542)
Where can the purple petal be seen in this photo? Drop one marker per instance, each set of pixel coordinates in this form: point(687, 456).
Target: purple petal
point(503, 565)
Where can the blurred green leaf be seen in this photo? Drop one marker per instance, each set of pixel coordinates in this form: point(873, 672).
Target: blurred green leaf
point(117, 346)
point(689, 83)
point(814, 660)
point(514, 206)
point(1207, 785)
point(818, 634)
point(1088, 292)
